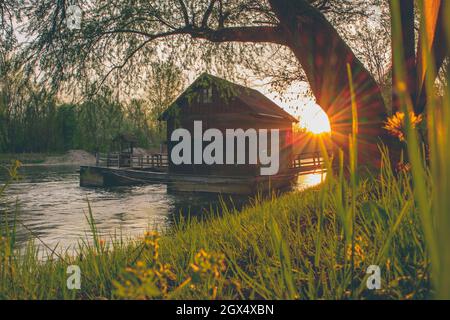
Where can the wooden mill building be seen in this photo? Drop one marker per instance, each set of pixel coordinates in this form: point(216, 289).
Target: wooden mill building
point(222, 105)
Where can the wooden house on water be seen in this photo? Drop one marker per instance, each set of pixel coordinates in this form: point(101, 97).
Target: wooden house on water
point(220, 104)
point(224, 107)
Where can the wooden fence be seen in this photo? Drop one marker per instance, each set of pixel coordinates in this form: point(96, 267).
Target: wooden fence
point(124, 160)
point(308, 160)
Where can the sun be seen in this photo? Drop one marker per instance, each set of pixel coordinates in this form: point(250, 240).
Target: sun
point(295, 101)
point(315, 120)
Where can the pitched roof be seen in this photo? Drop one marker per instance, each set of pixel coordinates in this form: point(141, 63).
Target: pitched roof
point(125, 137)
point(255, 102)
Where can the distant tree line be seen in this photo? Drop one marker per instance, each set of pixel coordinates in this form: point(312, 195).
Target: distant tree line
point(43, 125)
point(33, 120)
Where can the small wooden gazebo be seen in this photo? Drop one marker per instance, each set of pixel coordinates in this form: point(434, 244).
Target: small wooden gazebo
point(124, 143)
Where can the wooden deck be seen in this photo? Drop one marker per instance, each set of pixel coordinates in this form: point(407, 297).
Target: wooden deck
point(112, 170)
point(304, 162)
point(93, 176)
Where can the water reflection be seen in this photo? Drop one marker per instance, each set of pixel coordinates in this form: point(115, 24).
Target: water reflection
point(53, 207)
point(310, 180)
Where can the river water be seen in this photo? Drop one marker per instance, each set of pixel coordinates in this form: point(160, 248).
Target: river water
point(52, 207)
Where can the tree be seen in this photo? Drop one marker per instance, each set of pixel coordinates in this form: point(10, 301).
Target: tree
point(66, 125)
point(163, 89)
point(412, 69)
point(100, 120)
point(123, 34)
point(370, 39)
point(7, 38)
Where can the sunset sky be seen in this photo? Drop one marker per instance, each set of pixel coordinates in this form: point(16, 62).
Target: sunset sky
point(311, 116)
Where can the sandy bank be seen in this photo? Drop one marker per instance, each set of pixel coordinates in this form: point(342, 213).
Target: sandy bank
point(71, 157)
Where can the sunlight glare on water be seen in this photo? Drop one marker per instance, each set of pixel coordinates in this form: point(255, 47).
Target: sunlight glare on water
point(310, 180)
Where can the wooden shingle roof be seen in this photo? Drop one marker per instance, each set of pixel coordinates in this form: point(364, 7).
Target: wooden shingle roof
point(254, 102)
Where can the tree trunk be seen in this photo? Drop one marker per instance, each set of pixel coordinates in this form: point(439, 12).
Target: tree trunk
point(435, 12)
point(405, 46)
point(324, 56)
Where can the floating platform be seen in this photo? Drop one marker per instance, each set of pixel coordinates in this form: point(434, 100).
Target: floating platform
point(95, 176)
point(116, 169)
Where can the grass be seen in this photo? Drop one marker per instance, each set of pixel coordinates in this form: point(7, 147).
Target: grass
point(297, 246)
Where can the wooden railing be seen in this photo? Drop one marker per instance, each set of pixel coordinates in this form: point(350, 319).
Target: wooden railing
point(308, 160)
point(305, 160)
point(123, 160)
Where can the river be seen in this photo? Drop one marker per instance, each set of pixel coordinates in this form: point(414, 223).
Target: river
point(52, 207)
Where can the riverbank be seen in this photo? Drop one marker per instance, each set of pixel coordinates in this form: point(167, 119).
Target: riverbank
point(24, 158)
point(297, 246)
point(71, 157)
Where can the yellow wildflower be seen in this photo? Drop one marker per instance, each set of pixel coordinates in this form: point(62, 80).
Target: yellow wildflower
point(205, 263)
point(151, 240)
point(395, 125)
point(358, 251)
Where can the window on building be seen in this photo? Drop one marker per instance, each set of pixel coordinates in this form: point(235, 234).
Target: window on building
point(206, 95)
point(210, 95)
